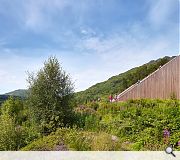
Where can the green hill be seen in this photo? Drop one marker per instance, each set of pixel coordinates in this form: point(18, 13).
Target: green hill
point(19, 93)
point(119, 83)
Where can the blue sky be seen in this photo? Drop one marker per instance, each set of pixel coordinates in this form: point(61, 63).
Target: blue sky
point(93, 39)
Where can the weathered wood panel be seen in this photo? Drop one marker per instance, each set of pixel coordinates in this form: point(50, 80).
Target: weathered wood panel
point(161, 84)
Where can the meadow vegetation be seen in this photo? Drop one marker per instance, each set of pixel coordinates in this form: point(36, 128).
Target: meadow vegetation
point(51, 118)
point(133, 125)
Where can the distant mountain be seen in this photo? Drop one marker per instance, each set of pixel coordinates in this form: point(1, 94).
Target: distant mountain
point(119, 83)
point(18, 93)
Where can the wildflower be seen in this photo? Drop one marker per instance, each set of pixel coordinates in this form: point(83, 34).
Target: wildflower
point(166, 133)
point(179, 143)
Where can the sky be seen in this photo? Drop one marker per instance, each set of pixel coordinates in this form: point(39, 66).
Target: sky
point(92, 39)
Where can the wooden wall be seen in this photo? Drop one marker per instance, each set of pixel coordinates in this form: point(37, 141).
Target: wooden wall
point(160, 84)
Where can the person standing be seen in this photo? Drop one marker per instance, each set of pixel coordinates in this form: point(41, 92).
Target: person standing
point(110, 98)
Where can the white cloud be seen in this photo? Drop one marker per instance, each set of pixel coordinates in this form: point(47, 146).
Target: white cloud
point(129, 46)
point(107, 56)
point(38, 15)
point(83, 31)
point(87, 32)
point(161, 11)
point(120, 52)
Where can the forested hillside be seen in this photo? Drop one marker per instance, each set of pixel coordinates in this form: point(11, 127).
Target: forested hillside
point(19, 93)
point(119, 83)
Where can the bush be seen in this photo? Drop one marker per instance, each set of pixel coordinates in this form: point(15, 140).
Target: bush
point(139, 121)
point(75, 139)
point(16, 130)
point(8, 136)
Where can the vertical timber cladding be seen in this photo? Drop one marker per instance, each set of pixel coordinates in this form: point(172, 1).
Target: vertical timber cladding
point(162, 84)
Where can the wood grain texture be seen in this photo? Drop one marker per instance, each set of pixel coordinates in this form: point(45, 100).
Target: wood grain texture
point(161, 84)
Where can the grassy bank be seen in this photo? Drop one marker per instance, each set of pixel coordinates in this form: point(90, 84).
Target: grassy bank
point(132, 125)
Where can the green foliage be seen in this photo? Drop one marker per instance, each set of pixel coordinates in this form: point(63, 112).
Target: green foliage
point(13, 108)
point(135, 124)
point(75, 139)
point(8, 136)
point(43, 144)
point(50, 97)
point(119, 83)
point(139, 123)
point(3, 98)
point(15, 128)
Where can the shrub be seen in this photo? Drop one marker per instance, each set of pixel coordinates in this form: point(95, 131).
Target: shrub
point(8, 136)
point(75, 139)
